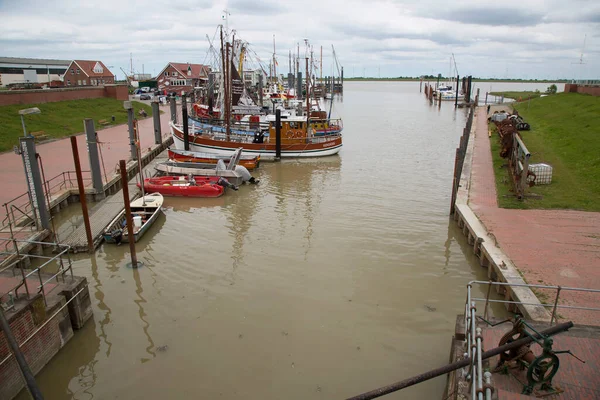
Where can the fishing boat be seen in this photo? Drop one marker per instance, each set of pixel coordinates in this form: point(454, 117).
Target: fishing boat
point(209, 160)
point(144, 211)
point(297, 140)
point(192, 186)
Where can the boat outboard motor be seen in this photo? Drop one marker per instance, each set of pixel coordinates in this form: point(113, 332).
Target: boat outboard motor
point(226, 184)
point(246, 177)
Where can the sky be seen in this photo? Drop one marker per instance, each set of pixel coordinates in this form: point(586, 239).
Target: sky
point(531, 39)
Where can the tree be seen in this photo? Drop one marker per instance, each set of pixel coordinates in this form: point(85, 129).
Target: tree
point(551, 89)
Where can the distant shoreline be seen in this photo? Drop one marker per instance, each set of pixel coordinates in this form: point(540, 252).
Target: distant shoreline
point(443, 79)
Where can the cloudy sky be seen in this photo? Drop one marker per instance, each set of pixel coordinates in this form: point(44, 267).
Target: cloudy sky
point(509, 38)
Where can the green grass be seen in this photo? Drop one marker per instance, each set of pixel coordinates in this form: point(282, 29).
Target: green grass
point(518, 95)
point(62, 118)
point(564, 134)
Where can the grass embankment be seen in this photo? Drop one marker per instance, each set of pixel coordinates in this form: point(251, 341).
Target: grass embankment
point(517, 95)
point(62, 118)
point(564, 134)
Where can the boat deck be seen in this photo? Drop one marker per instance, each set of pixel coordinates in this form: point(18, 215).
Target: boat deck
point(102, 214)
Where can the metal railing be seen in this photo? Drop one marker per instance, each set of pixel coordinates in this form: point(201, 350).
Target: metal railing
point(554, 305)
point(19, 212)
point(62, 270)
point(473, 339)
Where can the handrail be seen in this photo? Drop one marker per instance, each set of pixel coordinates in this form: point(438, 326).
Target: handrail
point(554, 305)
point(62, 270)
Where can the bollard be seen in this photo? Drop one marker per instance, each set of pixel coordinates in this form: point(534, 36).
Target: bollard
point(131, 238)
point(156, 118)
point(440, 100)
point(278, 134)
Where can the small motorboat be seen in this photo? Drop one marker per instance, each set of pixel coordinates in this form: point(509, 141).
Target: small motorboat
point(209, 160)
point(144, 211)
point(192, 186)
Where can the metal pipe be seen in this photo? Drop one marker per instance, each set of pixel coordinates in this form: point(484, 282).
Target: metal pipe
point(23, 366)
point(459, 364)
point(536, 286)
point(479, 366)
point(540, 305)
point(82, 199)
point(488, 385)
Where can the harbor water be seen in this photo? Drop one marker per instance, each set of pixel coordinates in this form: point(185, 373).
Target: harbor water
point(331, 277)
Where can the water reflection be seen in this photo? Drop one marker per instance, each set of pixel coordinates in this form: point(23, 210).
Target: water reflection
point(140, 301)
point(99, 295)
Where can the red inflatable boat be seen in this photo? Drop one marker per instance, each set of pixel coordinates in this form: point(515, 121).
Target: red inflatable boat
point(198, 186)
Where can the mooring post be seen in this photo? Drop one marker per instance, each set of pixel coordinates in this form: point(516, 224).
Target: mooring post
point(130, 234)
point(184, 117)
point(278, 134)
point(36, 394)
point(34, 183)
point(440, 100)
point(260, 89)
point(456, 94)
point(421, 85)
point(92, 145)
point(156, 118)
point(82, 199)
point(477, 98)
point(132, 148)
point(486, 95)
point(173, 106)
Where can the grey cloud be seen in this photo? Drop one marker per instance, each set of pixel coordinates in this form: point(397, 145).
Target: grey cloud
point(253, 7)
point(382, 34)
point(494, 16)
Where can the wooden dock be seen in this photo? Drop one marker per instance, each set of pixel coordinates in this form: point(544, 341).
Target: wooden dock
point(105, 211)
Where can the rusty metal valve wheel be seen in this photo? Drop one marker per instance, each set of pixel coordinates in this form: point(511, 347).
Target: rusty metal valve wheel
point(542, 370)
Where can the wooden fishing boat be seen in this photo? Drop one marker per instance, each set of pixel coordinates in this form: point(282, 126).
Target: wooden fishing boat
point(196, 186)
point(144, 210)
point(210, 159)
point(297, 140)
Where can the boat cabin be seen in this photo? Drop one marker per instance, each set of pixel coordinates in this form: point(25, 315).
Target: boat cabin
point(293, 130)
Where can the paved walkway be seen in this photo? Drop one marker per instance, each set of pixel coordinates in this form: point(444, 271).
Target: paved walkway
point(553, 247)
point(57, 156)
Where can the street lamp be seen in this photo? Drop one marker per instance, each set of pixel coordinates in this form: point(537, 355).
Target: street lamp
point(27, 111)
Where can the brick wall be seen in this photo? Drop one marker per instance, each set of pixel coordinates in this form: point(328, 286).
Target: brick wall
point(591, 90)
point(40, 349)
point(119, 92)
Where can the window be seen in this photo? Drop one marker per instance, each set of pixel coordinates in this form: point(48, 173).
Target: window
point(78, 82)
point(68, 82)
point(98, 68)
point(166, 73)
point(77, 71)
point(102, 80)
point(72, 71)
point(84, 82)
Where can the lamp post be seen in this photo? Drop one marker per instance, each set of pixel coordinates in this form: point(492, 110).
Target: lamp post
point(27, 111)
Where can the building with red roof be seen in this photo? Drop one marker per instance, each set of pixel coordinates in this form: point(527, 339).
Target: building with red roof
point(182, 77)
point(87, 73)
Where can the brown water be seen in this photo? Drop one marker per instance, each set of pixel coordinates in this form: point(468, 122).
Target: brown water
point(332, 277)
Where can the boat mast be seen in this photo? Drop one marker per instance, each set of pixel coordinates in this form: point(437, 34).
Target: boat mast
point(307, 94)
point(136, 137)
point(228, 93)
point(223, 80)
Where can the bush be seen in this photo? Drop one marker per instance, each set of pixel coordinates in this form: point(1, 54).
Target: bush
point(551, 89)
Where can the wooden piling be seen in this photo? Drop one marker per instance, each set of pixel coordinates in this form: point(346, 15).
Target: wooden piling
point(82, 199)
point(278, 134)
point(131, 236)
